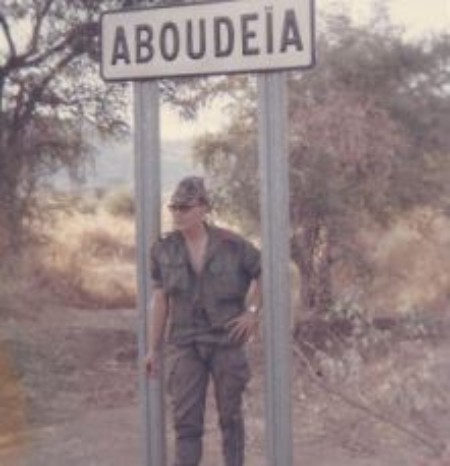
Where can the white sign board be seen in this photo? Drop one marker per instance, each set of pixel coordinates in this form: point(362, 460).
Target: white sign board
point(207, 38)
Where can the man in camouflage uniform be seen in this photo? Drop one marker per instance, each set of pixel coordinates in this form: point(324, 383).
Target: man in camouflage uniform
point(201, 278)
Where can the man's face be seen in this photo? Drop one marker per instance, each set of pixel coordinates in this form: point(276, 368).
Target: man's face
point(188, 216)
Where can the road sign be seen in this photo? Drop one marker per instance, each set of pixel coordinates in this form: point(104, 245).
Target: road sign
point(207, 38)
point(217, 38)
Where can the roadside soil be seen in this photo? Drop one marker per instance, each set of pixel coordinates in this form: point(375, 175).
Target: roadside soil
point(69, 397)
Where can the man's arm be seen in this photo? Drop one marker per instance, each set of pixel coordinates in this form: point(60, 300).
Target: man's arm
point(254, 296)
point(158, 320)
point(243, 327)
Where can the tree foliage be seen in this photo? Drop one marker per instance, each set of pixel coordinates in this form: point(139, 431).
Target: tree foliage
point(49, 90)
point(51, 96)
point(369, 139)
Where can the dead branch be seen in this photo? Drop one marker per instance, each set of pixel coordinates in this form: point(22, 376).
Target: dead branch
point(40, 15)
point(437, 446)
point(7, 31)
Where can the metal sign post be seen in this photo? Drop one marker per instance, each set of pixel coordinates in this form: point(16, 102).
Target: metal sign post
point(201, 39)
point(148, 227)
point(273, 156)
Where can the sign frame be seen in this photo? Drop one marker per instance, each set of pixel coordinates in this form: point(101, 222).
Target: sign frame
point(201, 73)
point(273, 158)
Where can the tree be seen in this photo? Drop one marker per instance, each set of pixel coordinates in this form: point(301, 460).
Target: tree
point(369, 140)
point(49, 89)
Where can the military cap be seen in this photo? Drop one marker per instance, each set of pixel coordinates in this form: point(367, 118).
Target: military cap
point(190, 190)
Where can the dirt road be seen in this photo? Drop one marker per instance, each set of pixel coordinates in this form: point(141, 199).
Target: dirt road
point(69, 398)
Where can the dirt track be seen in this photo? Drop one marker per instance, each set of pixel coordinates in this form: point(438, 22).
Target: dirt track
point(72, 376)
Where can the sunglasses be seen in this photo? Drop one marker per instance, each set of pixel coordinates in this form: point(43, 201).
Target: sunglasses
point(181, 207)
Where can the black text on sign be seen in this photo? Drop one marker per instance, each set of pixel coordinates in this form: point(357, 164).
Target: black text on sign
point(211, 38)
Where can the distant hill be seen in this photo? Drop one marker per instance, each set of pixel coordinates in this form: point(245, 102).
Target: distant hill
point(113, 166)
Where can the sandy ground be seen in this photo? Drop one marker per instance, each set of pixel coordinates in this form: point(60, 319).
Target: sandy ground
point(69, 397)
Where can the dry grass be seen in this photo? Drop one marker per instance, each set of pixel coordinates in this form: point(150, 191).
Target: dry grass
point(367, 394)
point(411, 264)
point(85, 256)
point(87, 260)
point(20, 285)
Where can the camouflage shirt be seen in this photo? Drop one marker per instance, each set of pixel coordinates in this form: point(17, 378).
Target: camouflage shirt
point(201, 304)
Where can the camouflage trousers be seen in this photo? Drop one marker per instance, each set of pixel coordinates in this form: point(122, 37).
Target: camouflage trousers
point(190, 368)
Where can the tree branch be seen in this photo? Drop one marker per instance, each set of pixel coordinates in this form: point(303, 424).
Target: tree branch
point(9, 40)
point(40, 15)
point(70, 40)
point(35, 94)
point(435, 445)
point(75, 39)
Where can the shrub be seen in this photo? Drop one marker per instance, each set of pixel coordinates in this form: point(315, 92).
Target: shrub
point(120, 203)
point(85, 258)
point(101, 243)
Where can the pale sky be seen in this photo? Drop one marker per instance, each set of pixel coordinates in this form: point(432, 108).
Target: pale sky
point(417, 17)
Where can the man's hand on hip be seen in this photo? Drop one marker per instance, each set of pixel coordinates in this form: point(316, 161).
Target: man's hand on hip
point(243, 327)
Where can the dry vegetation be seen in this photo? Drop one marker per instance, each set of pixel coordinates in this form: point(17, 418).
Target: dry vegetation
point(84, 256)
point(412, 265)
point(376, 377)
point(375, 387)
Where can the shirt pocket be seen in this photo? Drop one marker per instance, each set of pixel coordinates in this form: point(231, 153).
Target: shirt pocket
point(226, 279)
point(175, 274)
